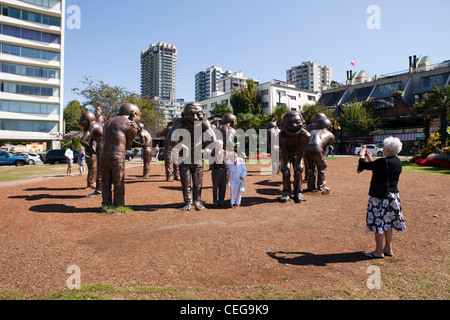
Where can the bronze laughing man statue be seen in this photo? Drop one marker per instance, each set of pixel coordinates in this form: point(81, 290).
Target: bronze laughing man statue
point(316, 153)
point(191, 128)
point(293, 141)
point(119, 133)
point(172, 169)
point(145, 142)
point(92, 141)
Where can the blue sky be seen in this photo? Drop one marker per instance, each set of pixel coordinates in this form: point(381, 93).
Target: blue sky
point(262, 38)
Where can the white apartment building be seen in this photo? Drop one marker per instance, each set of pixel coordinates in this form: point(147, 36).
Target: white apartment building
point(310, 76)
point(214, 82)
point(232, 81)
point(32, 70)
point(272, 95)
point(279, 92)
point(171, 109)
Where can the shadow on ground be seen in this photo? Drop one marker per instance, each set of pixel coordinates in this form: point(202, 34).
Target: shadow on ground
point(306, 258)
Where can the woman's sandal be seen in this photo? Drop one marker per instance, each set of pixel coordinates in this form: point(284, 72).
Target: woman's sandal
point(373, 256)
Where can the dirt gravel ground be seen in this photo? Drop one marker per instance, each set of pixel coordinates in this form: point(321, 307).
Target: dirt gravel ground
point(49, 224)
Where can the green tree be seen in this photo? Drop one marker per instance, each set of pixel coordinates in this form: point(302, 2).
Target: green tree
point(100, 94)
point(220, 110)
point(246, 100)
point(437, 105)
point(110, 99)
point(279, 113)
point(309, 111)
point(72, 114)
point(265, 119)
point(151, 117)
point(355, 120)
point(248, 120)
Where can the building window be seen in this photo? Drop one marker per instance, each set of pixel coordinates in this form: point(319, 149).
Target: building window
point(30, 53)
point(29, 89)
point(29, 71)
point(29, 34)
point(29, 126)
point(45, 3)
point(30, 16)
point(26, 107)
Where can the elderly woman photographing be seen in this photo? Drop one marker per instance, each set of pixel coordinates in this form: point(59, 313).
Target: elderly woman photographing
point(384, 211)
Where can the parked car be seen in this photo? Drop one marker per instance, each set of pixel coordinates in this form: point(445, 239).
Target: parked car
point(8, 159)
point(376, 151)
point(57, 156)
point(36, 157)
point(32, 157)
point(161, 154)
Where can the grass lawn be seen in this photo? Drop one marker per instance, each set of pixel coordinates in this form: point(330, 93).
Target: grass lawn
point(416, 168)
point(426, 283)
point(12, 173)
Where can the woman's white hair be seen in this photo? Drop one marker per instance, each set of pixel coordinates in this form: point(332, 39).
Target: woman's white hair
point(392, 146)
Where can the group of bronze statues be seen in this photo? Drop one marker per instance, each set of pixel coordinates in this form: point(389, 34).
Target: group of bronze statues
point(191, 135)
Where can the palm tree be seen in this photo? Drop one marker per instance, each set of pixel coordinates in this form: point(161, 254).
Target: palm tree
point(279, 113)
point(248, 120)
point(220, 110)
point(420, 109)
point(437, 104)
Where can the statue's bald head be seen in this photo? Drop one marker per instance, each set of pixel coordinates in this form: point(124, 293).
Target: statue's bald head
point(230, 119)
point(128, 109)
point(87, 118)
point(323, 123)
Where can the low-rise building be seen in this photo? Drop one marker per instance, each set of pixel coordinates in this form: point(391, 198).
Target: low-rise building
point(390, 98)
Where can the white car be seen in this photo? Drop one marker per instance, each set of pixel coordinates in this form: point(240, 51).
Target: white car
point(32, 157)
point(373, 149)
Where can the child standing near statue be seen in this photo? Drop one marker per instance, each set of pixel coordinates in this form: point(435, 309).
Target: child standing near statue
point(238, 172)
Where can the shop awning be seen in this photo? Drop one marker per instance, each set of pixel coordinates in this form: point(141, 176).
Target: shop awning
point(402, 136)
point(356, 140)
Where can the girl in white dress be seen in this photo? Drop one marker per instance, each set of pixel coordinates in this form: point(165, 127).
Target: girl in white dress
point(238, 172)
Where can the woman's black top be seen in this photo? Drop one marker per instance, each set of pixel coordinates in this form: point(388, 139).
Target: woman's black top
point(385, 176)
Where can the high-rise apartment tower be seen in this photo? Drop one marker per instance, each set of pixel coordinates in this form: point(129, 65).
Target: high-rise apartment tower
point(159, 71)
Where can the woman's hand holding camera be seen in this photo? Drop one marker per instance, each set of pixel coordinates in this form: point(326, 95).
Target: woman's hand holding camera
point(364, 154)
